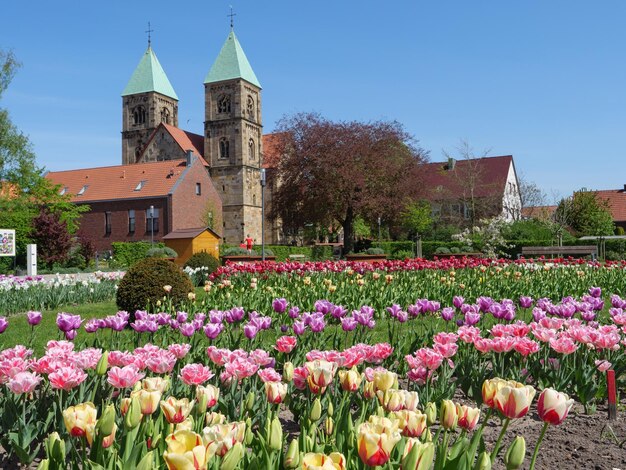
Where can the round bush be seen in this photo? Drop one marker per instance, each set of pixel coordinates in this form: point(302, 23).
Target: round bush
point(442, 250)
point(161, 252)
point(235, 251)
point(203, 260)
point(142, 286)
point(403, 254)
point(375, 251)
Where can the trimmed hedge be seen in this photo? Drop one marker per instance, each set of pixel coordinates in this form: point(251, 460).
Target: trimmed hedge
point(128, 253)
point(282, 252)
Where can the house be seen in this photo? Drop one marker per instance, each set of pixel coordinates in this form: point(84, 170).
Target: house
point(616, 199)
point(144, 201)
point(465, 191)
point(538, 212)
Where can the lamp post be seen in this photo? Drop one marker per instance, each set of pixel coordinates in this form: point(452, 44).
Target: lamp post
point(152, 226)
point(263, 183)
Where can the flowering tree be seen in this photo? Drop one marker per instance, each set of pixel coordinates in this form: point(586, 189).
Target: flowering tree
point(486, 237)
point(341, 170)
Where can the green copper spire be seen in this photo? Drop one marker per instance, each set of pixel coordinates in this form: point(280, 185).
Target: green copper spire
point(231, 63)
point(149, 76)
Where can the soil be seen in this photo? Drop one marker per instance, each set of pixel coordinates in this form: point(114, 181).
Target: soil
point(580, 442)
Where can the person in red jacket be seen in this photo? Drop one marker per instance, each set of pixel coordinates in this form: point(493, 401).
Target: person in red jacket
point(249, 243)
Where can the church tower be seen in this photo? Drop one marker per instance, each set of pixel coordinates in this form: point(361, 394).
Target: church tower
point(232, 140)
point(147, 100)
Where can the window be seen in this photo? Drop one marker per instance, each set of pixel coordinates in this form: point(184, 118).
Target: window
point(140, 185)
point(467, 211)
point(82, 190)
point(198, 189)
point(224, 147)
point(223, 104)
point(152, 220)
point(131, 221)
point(165, 115)
point(139, 115)
point(250, 107)
point(63, 191)
point(107, 223)
point(251, 149)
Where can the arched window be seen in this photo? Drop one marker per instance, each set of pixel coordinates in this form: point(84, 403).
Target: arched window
point(165, 115)
point(224, 147)
point(139, 115)
point(250, 107)
point(223, 104)
point(251, 151)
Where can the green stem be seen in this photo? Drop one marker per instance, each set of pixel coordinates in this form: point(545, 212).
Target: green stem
point(536, 452)
point(496, 449)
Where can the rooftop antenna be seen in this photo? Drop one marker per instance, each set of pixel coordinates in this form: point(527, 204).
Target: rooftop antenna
point(232, 15)
point(149, 31)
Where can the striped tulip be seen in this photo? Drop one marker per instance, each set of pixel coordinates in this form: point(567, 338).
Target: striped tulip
point(553, 407)
point(514, 400)
point(376, 439)
point(334, 461)
point(185, 451)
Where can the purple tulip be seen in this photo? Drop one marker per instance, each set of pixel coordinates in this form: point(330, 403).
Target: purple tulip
point(70, 335)
point(402, 316)
point(187, 329)
point(484, 303)
point(294, 312)
point(317, 323)
point(91, 326)
point(447, 313)
point(197, 324)
point(67, 322)
point(212, 330)
point(250, 330)
point(265, 323)
point(284, 328)
point(433, 306)
point(588, 315)
point(348, 323)
point(338, 311)
point(471, 318)
point(323, 306)
point(34, 318)
point(237, 313)
point(163, 318)
point(174, 325)
point(181, 317)
point(538, 314)
point(525, 301)
point(139, 326)
point(4, 323)
point(617, 301)
point(595, 292)
point(217, 316)
point(460, 322)
point(394, 310)
point(123, 314)
point(414, 310)
point(141, 315)
point(117, 323)
point(280, 305)
point(299, 327)
point(457, 301)
point(200, 316)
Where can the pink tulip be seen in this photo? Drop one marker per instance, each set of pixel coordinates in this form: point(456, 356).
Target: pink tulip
point(124, 377)
point(66, 378)
point(195, 374)
point(553, 407)
point(161, 362)
point(563, 345)
point(603, 365)
point(269, 375)
point(286, 344)
point(179, 350)
point(23, 382)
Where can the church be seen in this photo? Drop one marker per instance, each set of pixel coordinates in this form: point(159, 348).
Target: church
point(161, 162)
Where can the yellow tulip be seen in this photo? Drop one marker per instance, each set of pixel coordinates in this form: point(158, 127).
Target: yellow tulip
point(176, 410)
point(80, 420)
point(275, 392)
point(334, 461)
point(350, 379)
point(490, 388)
point(155, 383)
point(220, 438)
point(210, 393)
point(411, 423)
point(384, 380)
point(185, 451)
point(376, 439)
point(514, 401)
point(418, 455)
point(468, 416)
point(212, 418)
point(148, 399)
point(447, 415)
point(321, 374)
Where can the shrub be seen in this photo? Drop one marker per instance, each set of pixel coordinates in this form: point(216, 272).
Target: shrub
point(375, 251)
point(268, 252)
point(128, 253)
point(403, 254)
point(235, 251)
point(161, 252)
point(203, 260)
point(142, 286)
point(442, 250)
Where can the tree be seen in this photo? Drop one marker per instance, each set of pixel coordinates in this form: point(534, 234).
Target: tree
point(52, 237)
point(417, 217)
point(341, 170)
point(587, 214)
point(531, 194)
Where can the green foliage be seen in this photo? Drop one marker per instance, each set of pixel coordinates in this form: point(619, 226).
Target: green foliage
point(587, 214)
point(361, 229)
point(142, 285)
point(203, 260)
point(401, 255)
point(375, 251)
point(235, 251)
point(532, 229)
point(128, 253)
point(282, 252)
point(442, 250)
point(417, 217)
point(161, 252)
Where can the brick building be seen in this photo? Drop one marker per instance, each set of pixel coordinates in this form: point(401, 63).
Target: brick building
point(142, 201)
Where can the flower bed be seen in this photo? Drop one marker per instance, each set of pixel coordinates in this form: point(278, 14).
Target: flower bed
point(318, 386)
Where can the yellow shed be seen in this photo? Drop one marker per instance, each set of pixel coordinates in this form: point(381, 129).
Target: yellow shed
point(188, 241)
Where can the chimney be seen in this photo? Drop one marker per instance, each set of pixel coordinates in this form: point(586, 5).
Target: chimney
point(625, 187)
point(124, 174)
point(451, 163)
point(189, 157)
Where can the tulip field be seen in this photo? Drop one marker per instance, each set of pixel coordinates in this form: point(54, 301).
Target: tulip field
point(404, 364)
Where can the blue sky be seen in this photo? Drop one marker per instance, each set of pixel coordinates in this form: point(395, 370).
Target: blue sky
point(543, 81)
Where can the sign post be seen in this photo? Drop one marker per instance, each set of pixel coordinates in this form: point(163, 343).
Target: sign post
point(7, 244)
point(31, 260)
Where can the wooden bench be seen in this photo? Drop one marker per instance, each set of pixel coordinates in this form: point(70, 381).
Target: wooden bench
point(561, 250)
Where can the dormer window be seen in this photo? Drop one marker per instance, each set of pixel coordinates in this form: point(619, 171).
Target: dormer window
point(63, 191)
point(140, 185)
point(82, 190)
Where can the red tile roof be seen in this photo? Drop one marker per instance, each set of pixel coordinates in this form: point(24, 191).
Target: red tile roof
point(270, 150)
point(186, 140)
point(534, 212)
point(120, 181)
point(617, 202)
point(487, 176)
